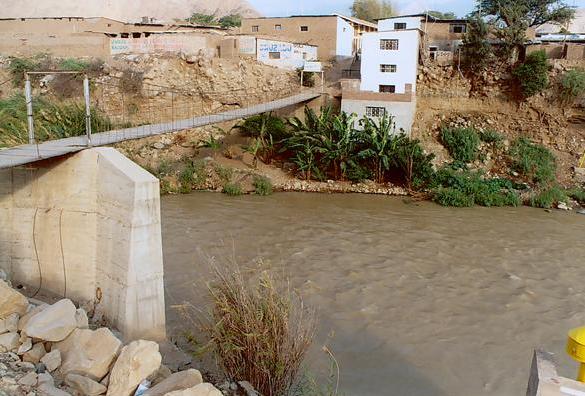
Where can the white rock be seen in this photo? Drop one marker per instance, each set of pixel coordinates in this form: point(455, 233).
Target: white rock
point(85, 386)
point(182, 380)
point(45, 378)
point(29, 379)
point(81, 319)
point(9, 342)
point(25, 346)
point(35, 354)
point(11, 301)
point(138, 360)
point(52, 360)
point(50, 390)
point(88, 352)
point(204, 389)
point(53, 323)
point(32, 312)
point(9, 324)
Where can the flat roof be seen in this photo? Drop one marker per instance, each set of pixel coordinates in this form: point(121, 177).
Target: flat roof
point(351, 19)
point(428, 17)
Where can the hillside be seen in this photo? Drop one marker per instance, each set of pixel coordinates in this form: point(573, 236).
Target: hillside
point(125, 10)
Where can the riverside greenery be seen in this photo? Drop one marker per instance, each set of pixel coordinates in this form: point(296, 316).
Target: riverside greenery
point(342, 147)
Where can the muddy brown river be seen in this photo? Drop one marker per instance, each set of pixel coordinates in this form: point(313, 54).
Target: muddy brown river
point(413, 299)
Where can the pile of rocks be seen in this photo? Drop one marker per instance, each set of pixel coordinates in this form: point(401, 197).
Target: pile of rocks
point(50, 350)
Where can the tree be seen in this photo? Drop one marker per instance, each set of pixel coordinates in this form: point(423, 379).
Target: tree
point(442, 15)
point(229, 21)
point(202, 19)
point(477, 51)
point(513, 17)
point(371, 10)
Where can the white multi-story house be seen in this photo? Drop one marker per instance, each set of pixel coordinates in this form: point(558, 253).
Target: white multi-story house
point(389, 66)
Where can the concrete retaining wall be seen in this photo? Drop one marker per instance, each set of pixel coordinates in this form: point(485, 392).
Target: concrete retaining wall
point(87, 227)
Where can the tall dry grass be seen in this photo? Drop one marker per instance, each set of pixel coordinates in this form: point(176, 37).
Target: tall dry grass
point(258, 331)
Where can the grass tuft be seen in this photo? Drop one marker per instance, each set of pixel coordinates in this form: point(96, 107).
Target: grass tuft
point(533, 161)
point(262, 185)
point(258, 331)
point(233, 189)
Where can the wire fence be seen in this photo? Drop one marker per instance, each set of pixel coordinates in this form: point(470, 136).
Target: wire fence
point(117, 115)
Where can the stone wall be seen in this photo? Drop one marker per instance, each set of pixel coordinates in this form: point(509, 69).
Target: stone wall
point(87, 227)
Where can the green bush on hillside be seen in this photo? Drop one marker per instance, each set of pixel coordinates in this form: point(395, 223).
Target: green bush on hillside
point(573, 85)
point(262, 185)
point(462, 143)
point(533, 160)
point(532, 75)
point(548, 197)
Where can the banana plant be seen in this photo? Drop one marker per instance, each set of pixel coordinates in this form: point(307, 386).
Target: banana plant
point(379, 144)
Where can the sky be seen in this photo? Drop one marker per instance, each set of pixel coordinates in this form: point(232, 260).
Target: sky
point(295, 7)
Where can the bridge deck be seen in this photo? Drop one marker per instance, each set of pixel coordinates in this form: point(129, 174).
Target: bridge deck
point(28, 153)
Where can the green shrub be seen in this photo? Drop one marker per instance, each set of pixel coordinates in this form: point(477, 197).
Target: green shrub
point(18, 66)
point(462, 143)
point(192, 176)
point(548, 197)
point(533, 160)
point(233, 189)
point(578, 194)
point(532, 75)
point(490, 136)
point(453, 197)
point(73, 64)
point(416, 166)
point(464, 188)
point(264, 123)
point(573, 85)
point(262, 185)
point(229, 21)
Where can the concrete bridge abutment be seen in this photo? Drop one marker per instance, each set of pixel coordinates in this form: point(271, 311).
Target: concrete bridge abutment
point(87, 227)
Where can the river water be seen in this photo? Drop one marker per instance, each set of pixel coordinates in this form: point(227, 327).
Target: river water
point(412, 298)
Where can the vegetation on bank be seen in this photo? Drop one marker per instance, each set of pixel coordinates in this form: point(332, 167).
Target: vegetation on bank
point(53, 120)
point(259, 330)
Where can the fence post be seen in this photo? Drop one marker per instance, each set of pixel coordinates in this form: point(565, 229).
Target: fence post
point(29, 109)
point(87, 110)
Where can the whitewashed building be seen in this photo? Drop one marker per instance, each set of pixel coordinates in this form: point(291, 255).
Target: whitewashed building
point(389, 66)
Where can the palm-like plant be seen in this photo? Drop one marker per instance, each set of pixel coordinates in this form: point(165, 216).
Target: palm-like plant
point(379, 144)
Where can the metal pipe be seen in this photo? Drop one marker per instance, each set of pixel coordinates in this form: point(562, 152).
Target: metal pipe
point(87, 110)
point(29, 109)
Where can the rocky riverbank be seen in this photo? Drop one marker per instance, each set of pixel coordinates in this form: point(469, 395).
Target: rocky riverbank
point(54, 350)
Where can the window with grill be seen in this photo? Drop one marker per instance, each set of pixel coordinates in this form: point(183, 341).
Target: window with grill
point(274, 55)
point(277, 27)
point(374, 111)
point(388, 88)
point(400, 26)
point(458, 28)
point(255, 28)
point(388, 68)
point(389, 44)
point(304, 28)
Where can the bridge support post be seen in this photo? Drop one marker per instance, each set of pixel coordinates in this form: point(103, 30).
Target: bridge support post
point(29, 109)
point(87, 110)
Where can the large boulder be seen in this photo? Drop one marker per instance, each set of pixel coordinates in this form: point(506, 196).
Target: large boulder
point(11, 301)
point(53, 323)
point(204, 389)
point(88, 352)
point(177, 381)
point(32, 312)
point(85, 386)
point(138, 360)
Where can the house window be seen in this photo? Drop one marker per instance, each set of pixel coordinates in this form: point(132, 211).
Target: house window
point(136, 35)
point(458, 28)
point(389, 45)
point(255, 28)
point(124, 35)
point(277, 27)
point(374, 111)
point(388, 68)
point(304, 28)
point(400, 26)
point(274, 55)
point(388, 88)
